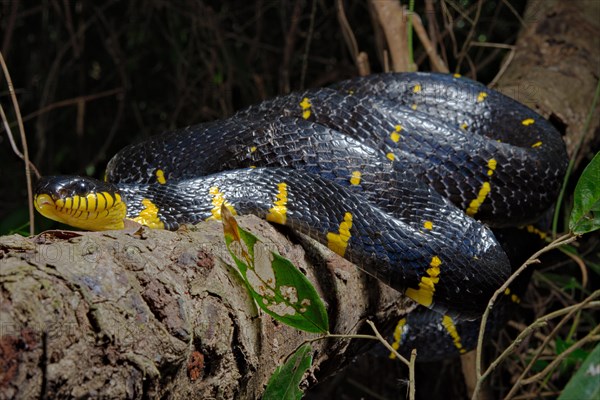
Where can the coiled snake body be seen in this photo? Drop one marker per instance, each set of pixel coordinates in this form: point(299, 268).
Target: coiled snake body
point(390, 171)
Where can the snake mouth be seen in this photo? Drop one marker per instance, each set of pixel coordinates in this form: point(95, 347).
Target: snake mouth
point(83, 203)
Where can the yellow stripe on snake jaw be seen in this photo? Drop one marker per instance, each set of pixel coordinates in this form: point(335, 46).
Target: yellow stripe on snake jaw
point(94, 212)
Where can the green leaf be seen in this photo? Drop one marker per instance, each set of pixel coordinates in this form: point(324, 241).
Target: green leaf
point(572, 359)
point(277, 286)
point(565, 282)
point(585, 216)
point(585, 384)
point(284, 382)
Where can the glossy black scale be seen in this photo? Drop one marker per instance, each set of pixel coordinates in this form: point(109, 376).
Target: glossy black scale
point(410, 136)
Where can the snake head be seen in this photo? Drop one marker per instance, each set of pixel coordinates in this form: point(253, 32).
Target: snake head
point(81, 202)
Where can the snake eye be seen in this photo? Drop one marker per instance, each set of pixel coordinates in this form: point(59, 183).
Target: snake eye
point(62, 193)
point(82, 188)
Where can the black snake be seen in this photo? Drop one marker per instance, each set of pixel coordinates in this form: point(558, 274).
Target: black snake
point(391, 171)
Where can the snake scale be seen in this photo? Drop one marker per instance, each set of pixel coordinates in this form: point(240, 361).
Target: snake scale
point(395, 172)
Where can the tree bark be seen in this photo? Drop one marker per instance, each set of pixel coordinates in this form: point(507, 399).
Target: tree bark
point(556, 67)
point(158, 314)
point(163, 314)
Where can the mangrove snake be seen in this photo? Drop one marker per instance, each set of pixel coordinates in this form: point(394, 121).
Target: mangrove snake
point(390, 171)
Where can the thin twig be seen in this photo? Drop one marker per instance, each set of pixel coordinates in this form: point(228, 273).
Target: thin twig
point(361, 60)
point(465, 48)
point(386, 344)
point(410, 364)
point(346, 29)
point(503, 68)
point(288, 50)
point(512, 10)
point(13, 97)
point(582, 267)
point(13, 144)
point(432, 27)
point(591, 337)
point(311, 28)
point(460, 11)
point(72, 101)
point(494, 45)
point(9, 27)
point(521, 380)
point(411, 375)
point(436, 61)
point(448, 28)
point(533, 259)
point(542, 321)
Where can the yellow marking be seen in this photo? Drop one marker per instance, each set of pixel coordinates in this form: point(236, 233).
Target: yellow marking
point(395, 135)
point(391, 156)
point(424, 294)
point(398, 336)
point(337, 242)
point(278, 213)
point(536, 144)
point(528, 121)
point(457, 75)
point(492, 166)
point(76, 206)
point(252, 149)
point(483, 191)
point(536, 231)
point(514, 297)
point(92, 202)
point(481, 96)
point(451, 329)
point(464, 126)
point(417, 88)
point(252, 166)
point(149, 216)
point(218, 198)
point(305, 104)
point(428, 225)
point(105, 200)
point(87, 215)
point(476, 203)
point(160, 176)
point(414, 106)
point(355, 180)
